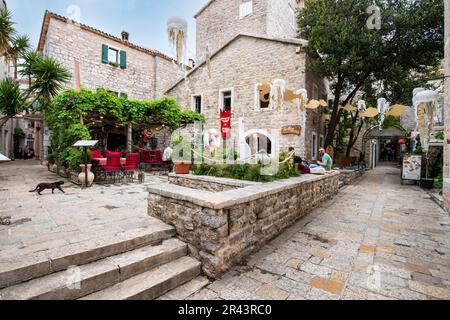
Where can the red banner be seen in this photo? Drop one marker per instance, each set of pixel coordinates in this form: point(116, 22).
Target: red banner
point(225, 123)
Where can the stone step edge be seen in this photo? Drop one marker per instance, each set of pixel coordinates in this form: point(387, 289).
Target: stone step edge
point(186, 290)
point(96, 276)
point(37, 269)
point(154, 283)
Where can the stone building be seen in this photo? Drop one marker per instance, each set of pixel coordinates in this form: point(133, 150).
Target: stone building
point(447, 109)
point(99, 60)
point(106, 61)
point(239, 45)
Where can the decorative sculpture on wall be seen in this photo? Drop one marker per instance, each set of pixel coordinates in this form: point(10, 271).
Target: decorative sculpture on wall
point(177, 31)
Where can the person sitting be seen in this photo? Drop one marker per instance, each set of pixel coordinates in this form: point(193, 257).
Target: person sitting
point(326, 162)
point(299, 163)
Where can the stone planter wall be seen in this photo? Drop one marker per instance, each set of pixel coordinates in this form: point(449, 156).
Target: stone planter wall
point(348, 177)
point(212, 184)
point(222, 228)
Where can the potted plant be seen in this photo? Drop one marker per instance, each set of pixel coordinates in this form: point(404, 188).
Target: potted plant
point(426, 182)
point(182, 161)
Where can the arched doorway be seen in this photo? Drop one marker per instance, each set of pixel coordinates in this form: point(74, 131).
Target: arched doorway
point(260, 141)
point(382, 146)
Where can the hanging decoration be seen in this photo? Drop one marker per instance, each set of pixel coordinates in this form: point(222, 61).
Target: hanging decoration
point(362, 107)
point(313, 104)
point(382, 107)
point(348, 107)
point(302, 95)
point(177, 28)
point(396, 110)
point(277, 94)
point(424, 103)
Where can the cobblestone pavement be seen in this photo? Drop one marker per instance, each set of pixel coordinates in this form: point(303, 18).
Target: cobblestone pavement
point(50, 222)
point(375, 240)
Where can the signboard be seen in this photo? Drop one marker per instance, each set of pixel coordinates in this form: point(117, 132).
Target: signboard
point(225, 123)
point(412, 168)
point(295, 130)
point(85, 143)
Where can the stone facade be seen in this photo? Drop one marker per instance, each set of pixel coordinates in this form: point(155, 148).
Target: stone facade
point(223, 228)
point(147, 75)
point(220, 20)
point(447, 109)
point(239, 67)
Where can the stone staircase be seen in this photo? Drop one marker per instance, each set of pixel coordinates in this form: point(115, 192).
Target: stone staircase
point(141, 267)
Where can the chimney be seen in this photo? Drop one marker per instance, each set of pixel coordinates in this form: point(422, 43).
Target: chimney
point(191, 63)
point(125, 36)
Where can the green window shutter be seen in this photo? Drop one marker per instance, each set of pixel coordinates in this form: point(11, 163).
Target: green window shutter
point(123, 59)
point(105, 49)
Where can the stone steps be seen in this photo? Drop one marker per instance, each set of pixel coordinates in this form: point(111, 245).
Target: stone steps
point(151, 284)
point(92, 277)
point(186, 290)
point(24, 268)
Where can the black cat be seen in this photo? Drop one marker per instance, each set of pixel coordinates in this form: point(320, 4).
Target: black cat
point(43, 186)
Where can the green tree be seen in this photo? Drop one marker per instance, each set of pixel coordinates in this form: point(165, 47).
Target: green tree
point(357, 58)
point(12, 99)
point(7, 32)
point(19, 47)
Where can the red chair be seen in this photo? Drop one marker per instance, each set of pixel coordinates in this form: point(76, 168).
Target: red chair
point(96, 154)
point(131, 164)
point(113, 166)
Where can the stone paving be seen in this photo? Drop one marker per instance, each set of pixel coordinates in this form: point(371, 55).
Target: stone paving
point(376, 240)
point(52, 222)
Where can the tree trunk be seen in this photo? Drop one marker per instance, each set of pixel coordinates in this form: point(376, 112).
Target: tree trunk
point(353, 138)
point(130, 137)
point(334, 116)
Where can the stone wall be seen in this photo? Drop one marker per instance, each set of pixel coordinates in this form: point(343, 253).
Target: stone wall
point(223, 228)
point(447, 108)
point(278, 18)
point(146, 76)
point(205, 183)
point(240, 66)
point(220, 22)
point(348, 177)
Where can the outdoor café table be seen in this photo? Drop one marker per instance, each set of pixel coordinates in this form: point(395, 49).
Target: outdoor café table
point(102, 161)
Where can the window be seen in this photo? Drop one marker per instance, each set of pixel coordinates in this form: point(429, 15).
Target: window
point(321, 141)
point(314, 146)
point(226, 100)
point(246, 9)
point(292, 19)
point(197, 104)
point(263, 99)
point(113, 55)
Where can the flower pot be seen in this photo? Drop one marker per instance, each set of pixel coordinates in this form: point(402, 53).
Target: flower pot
point(182, 167)
point(427, 183)
point(82, 175)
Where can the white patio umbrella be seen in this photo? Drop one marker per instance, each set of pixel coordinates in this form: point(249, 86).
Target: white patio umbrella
point(3, 158)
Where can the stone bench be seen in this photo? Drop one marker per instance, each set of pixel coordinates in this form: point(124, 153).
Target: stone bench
point(222, 228)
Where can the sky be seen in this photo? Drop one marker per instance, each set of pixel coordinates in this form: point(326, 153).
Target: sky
point(145, 20)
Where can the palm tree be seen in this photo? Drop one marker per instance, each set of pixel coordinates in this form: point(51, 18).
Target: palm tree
point(7, 32)
point(12, 99)
point(49, 77)
point(20, 46)
point(29, 59)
